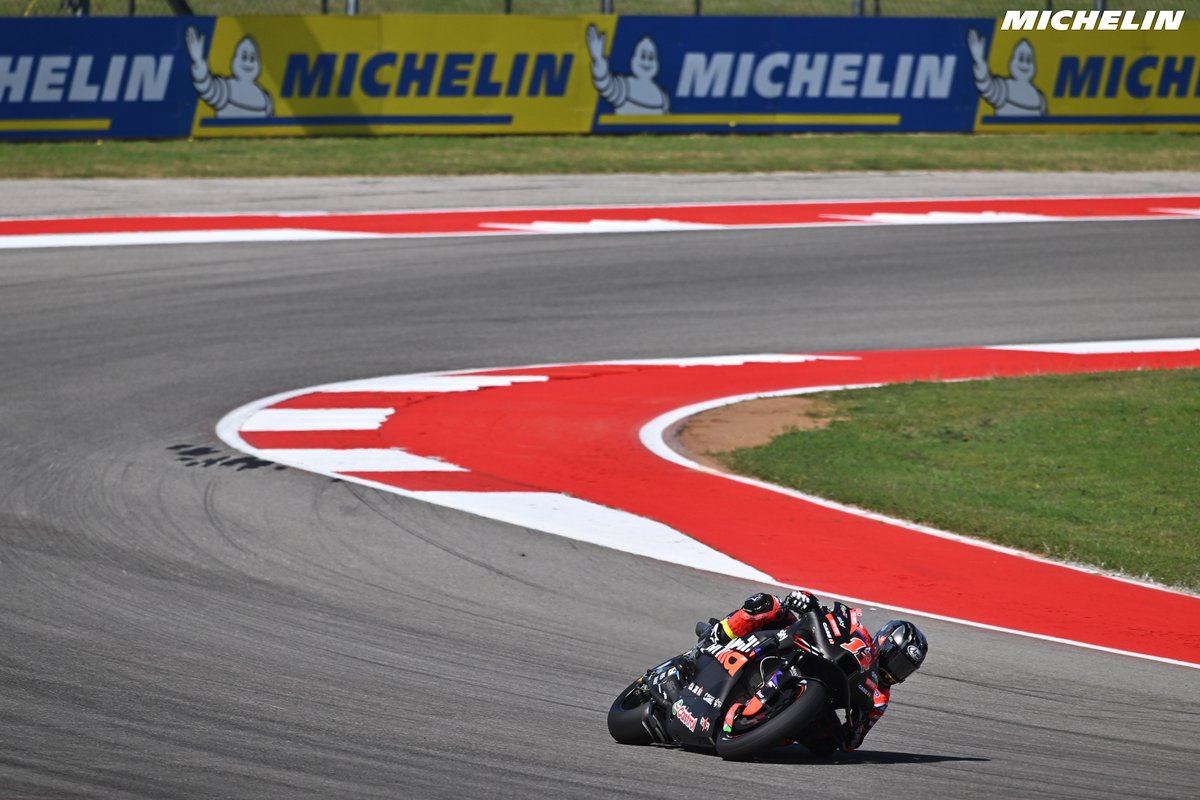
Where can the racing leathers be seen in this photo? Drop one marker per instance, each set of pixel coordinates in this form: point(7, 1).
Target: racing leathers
point(764, 610)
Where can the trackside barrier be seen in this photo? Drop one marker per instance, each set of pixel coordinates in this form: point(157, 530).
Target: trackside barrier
point(301, 76)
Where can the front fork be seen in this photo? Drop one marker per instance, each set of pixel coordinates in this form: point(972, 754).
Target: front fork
point(662, 686)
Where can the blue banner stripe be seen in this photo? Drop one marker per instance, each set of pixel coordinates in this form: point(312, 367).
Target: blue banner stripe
point(405, 119)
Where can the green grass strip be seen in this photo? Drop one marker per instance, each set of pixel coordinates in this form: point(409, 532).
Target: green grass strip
point(545, 155)
point(1100, 469)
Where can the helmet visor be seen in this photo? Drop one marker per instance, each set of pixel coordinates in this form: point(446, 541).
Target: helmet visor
point(900, 666)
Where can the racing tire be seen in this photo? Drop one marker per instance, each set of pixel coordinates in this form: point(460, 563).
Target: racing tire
point(627, 715)
point(803, 710)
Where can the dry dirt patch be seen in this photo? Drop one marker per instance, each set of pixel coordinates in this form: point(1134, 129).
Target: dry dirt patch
point(748, 424)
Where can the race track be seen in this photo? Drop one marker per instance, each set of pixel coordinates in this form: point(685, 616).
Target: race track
point(175, 627)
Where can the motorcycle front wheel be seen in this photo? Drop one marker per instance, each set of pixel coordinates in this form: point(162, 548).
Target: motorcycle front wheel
point(625, 717)
point(803, 710)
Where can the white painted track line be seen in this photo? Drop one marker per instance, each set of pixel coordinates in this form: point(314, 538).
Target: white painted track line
point(317, 419)
point(358, 460)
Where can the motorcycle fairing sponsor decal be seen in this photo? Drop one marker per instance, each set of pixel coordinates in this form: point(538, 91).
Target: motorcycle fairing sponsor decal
point(732, 660)
point(683, 715)
point(703, 694)
point(744, 644)
point(860, 650)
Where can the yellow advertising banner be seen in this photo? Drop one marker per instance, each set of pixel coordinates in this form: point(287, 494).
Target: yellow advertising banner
point(1087, 80)
point(444, 74)
point(272, 76)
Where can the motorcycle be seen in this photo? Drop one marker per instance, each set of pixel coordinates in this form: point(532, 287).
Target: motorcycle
point(768, 688)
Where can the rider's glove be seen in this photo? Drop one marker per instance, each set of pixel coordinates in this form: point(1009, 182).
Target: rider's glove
point(800, 602)
point(758, 603)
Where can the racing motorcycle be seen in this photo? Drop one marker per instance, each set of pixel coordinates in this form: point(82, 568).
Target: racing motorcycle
point(765, 689)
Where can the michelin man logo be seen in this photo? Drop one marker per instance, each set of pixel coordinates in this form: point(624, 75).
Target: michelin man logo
point(237, 95)
point(633, 94)
point(1014, 96)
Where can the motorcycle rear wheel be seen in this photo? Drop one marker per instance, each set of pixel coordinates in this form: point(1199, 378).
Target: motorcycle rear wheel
point(626, 715)
point(779, 728)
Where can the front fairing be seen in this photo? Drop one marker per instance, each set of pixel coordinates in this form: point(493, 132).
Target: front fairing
point(699, 713)
point(696, 716)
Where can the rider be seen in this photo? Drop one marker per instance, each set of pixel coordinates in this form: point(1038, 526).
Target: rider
point(896, 652)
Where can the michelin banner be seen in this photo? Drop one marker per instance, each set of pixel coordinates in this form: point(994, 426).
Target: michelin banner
point(448, 74)
point(95, 78)
point(1081, 80)
point(293, 76)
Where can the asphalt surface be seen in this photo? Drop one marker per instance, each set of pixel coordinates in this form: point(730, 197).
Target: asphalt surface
point(206, 631)
point(23, 198)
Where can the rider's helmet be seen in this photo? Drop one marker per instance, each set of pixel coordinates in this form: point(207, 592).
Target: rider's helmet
point(902, 649)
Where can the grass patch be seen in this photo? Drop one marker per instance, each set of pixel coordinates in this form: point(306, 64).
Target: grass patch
point(528, 155)
point(1101, 469)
